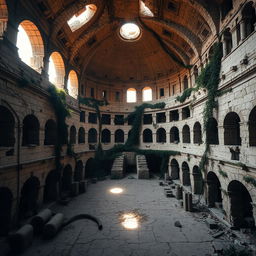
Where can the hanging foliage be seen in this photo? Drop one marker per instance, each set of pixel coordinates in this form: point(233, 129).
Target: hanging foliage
point(250, 180)
point(58, 101)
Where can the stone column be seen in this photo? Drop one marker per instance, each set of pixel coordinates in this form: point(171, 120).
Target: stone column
point(243, 29)
point(221, 134)
point(180, 114)
point(10, 35)
point(254, 210)
point(234, 36)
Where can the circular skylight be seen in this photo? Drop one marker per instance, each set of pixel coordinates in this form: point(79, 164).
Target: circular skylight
point(130, 31)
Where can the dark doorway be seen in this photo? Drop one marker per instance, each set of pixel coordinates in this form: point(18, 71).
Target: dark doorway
point(214, 190)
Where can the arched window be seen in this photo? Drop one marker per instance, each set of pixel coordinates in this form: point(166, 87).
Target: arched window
point(186, 134)
point(72, 135)
point(119, 136)
point(81, 135)
point(105, 136)
point(225, 7)
point(3, 17)
point(185, 174)
point(174, 135)
point(185, 83)
point(30, 45)
point(212, 135)
point(82, 17)
point(232, 129)
point(73, 84)
point(50, 133)
point(161, 135)
point(147, 136)
point(7, 122)
point(197, 132)
point(147, 94)
point(252, 127)
point(30, 131)
point(249, 17)
point(228, 44)
point(131, 95)
point(175, 170)
point(56, 70)
point(92, 136)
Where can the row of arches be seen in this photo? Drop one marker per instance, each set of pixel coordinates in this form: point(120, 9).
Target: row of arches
point(241, 210)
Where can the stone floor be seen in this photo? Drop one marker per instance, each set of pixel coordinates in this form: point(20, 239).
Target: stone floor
point(156, 234)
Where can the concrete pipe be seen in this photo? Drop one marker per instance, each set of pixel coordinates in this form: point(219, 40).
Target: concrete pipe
point(21, 240)
point(40, 219)
point(53, 226)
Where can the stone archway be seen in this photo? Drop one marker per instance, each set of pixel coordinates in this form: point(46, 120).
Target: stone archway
point(6, 198)
point(198, 181)
point(185, 174)
point(88, 170)
point(175, 170)
point(241, 210)
point(29, 197)
point(214, 190)
point(66, 181)
point(78, 173)
point(51, 187)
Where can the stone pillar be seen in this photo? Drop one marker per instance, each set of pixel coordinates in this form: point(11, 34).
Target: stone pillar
point(180, 114)
point(234, 37)
point(46, 61)
point(243, 29)
point(10, 35)
point(167, 114)
point(221, 134)
point(254, 211)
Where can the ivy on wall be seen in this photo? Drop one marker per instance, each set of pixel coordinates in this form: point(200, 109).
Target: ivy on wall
point(250, 180)
point(58, 101)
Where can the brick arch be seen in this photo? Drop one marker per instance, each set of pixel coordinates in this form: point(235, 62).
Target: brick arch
point(37, 44)
point(59, 66)
point(73, 84)
point(3, 17)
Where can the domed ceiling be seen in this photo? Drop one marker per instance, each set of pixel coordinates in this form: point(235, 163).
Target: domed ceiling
point(172, 34)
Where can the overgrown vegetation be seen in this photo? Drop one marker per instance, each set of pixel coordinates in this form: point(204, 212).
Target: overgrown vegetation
point(233, 251)
point(223, 173)
point(250, 180)
point(58, 101)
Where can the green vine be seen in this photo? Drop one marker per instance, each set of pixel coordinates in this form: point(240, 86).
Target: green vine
point(58, 101)
point(223, 173)
point(250, 180)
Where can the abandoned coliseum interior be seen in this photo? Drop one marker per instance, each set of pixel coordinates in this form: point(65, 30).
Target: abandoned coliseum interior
point(94, 90)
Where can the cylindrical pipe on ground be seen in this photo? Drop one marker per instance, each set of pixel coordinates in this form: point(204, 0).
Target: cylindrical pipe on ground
point(20, 240)
point(40, 219)
point(53, 226)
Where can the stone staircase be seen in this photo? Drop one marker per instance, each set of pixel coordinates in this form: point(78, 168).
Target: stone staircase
point(142, 167)
point(117, 171)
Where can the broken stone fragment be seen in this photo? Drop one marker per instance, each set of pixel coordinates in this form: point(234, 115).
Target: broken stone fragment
point(177, 224)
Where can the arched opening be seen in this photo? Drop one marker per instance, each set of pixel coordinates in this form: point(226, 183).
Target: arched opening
point(147, 94)
point(131, 95)
point(252, 128)
point(50, 133)
point(81, 135)
point(186, 134)
point(72, 135)
point(147, 136)
point(232, 129)
point(154, 164)
point(198, 181)
point(119, 136)
point(30, 131)
point(212, 134)
point(185, 174)
point(82, 17)
point(7, 122)
point(56, 70)
point(29, 197)
point(51, 187)
point(30, 45)
point(175, 170)
point(174, 135)
point(66, 181)
point(249, 17)
point(161, 135)
point(106, 136)
point(228, 44)
point(3, 17)
point(89, 168)
point(226, 7)
point(78, 173)
point(92, 136)
point(185, 83)
point(6, 198)
point(241, 210)
point(214, 190)
point(197, 131)
point(73, 84)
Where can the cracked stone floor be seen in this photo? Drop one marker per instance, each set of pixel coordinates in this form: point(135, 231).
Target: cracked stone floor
point(155, 236)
